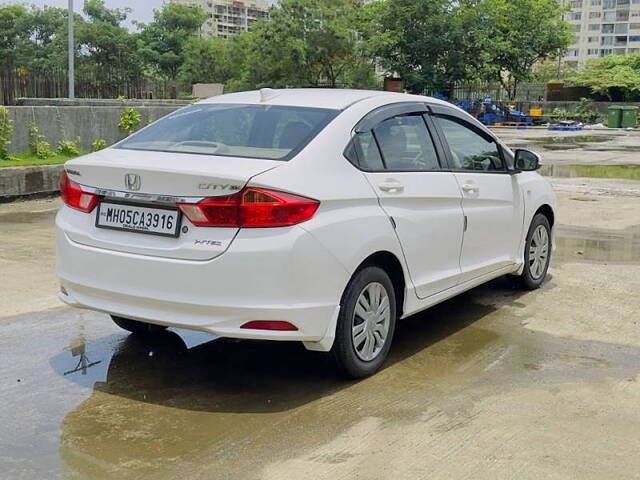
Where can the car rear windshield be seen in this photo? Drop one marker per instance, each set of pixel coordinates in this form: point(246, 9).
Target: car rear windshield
point(252, 131)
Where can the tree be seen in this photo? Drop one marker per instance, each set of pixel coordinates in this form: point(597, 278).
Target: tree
point(205, 61)
point(521, 33)
point(430, 43)
point(612, 75)
point(12, 21)
point(162, 42)
point(553, 70)
point(46, 45)
point(306, 43)
point(98, 13)
point(104, 43)
point(33, 38)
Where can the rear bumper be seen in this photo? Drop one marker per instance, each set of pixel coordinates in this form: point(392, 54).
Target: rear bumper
point(266, 274)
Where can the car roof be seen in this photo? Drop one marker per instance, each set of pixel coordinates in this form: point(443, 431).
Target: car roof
point(333, 98)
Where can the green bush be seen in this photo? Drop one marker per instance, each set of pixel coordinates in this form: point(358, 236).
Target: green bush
point(129, 120)
point(69, 147)
point(37, 143)
point(98, 145)
point(5, 133)
point(586, 111)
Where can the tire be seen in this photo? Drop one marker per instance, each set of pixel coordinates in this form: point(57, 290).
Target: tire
point(350, 351)
point(534, 274)
point(135, 326)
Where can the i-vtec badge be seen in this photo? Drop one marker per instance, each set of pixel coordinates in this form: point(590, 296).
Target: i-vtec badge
point(132, 181)
point(218, 186)
point(214, 243)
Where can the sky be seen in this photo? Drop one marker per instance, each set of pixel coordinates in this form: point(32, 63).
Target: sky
point(142, 10)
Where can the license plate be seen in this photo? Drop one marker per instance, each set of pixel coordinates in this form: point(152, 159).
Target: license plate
point(135, 218)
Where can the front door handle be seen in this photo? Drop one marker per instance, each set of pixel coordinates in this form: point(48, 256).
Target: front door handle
point(391, 186)
point(470, 188)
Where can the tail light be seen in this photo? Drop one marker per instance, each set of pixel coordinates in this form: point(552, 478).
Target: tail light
point(251, 207)
point(73, 195)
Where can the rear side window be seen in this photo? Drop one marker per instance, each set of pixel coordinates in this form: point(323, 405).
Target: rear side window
point(406, 144)
point(367, 152)
point(252, 131)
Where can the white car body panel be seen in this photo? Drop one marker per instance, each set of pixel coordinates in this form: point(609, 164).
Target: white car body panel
point(216, 279)
point(494, 222)
point(192, 176)
point(427, 212)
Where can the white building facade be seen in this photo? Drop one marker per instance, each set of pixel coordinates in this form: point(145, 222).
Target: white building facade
point(602, 27)
point(229, 17)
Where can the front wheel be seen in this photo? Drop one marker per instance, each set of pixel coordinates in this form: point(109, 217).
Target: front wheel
point(134, 326)
point(537, 254)
point(366, 323)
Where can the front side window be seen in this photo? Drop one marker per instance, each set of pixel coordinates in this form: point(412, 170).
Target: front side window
point(405, 144)
point(251, 131)
point(470, 151)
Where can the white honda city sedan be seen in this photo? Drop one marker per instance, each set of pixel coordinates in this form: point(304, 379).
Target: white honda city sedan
point(311, 215)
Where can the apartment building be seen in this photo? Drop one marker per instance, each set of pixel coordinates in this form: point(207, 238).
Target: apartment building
point(228, 17)
point(603, 27)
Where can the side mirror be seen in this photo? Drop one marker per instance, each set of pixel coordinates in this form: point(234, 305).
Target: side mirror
point(526, 160)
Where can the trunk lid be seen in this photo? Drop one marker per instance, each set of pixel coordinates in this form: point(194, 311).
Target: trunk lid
point(160, 177)
point(163, 173)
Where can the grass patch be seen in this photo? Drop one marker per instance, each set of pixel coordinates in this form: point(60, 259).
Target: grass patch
point(29, 159)
point(629, 172)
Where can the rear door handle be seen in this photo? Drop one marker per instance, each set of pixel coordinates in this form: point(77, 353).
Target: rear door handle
point(470, 187)
point(391, 186)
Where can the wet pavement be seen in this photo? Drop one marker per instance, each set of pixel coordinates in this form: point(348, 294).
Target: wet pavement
point(597, 147)
point(629, 172)
point(496, 383)
point(601, 245)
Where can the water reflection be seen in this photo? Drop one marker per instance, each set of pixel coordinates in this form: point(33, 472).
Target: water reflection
point(628, 171)
point(164, 406)
point(223, 409)
point(597, 245)
point(77, 347)
point(593, 143)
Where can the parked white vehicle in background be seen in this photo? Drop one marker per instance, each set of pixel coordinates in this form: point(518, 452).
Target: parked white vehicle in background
point(319, 216)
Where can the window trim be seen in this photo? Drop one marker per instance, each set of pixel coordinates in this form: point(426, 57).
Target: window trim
point(474, 128)
point(380, 114)
point(389, 113)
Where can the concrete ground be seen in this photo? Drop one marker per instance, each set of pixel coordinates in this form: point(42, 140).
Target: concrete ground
point(496, 383)
point(596, 147)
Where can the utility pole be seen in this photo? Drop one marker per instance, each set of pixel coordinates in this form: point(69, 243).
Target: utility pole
point(72, 94)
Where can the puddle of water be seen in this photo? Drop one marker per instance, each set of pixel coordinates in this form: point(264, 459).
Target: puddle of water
point(168, 405)
point(572, 140)
point(585, 142)
point(580, 244)
point(628, 172)
point(557, 147)
point(621, 148)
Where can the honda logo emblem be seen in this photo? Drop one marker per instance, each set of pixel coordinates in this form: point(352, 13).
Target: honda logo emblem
point(132, 181)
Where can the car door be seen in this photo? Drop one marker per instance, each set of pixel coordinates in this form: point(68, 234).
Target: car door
point(399, 158)
point(491, 198)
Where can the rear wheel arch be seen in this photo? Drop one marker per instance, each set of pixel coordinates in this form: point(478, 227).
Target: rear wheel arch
point(392, 266)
